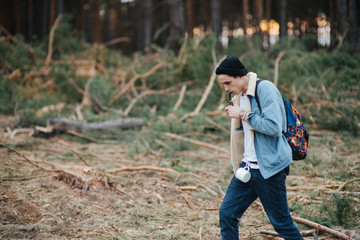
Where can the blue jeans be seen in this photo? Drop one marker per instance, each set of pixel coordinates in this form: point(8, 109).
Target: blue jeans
point(272, 193)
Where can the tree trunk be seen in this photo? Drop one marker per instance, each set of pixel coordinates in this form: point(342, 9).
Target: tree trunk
point(353, 23)
point(60, 7)
point(16, 14)
point(165, 29)
point(258, 12)
point(283, 18)
point(30, 21)
point(148, 25)
point(96, 21)
point(177, 23)
point(216, 18)
point(139, 26)
point(204, 13)
point(52, 12)
point(45, 19)
point(312, 15)
point(332, 18)
point(82, 16)
point(190, 14)
point(245, 12)
point(268, 10)
point(341, 15)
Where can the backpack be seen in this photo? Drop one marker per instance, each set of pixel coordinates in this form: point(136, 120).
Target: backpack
point(296, 135)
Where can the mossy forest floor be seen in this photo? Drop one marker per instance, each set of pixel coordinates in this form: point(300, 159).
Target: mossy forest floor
point(153, 204)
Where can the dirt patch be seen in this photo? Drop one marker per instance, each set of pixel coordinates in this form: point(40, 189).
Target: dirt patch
point(17, 210)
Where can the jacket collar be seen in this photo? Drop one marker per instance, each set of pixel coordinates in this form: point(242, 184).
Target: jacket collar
point(251, 84)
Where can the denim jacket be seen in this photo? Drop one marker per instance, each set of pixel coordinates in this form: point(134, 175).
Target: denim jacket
point(272, 150)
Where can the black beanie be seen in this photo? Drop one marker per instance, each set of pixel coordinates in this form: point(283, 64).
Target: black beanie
point(231, 66)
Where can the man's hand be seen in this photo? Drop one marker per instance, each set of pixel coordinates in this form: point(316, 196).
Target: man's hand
point(233, 111)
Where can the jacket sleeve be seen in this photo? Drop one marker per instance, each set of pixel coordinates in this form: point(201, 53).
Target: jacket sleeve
point(270, 120)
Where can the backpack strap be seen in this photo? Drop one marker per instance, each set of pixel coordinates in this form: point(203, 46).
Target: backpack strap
point(284, 102)
point(256, 95)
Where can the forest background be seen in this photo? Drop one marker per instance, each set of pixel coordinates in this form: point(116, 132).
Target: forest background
point(95, 61)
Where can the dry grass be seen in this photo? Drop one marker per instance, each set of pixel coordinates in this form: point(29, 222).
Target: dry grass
point(138, 204)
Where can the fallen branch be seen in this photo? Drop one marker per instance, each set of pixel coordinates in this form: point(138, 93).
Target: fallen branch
point(204, 96)
point(209, 120)
point(12, 134)
point(50, 109)
point(81, 158)
point(9, 36)
point(322, 228)
point(196, 142)
point(209, 190)
point(105, 108)
point(86, 100)
point(186, 201)
point(276, 71)
point(142, 168)
point(342, 37)
point(14, 75)
point(51, 40)
point(340, 188)
point(222, 98)
point(27, 159)
point(182, 49)
point(117, 40)
point(303, 233)
point(299, 188)
point(133, 80)
point(269, 233)
point(76, 86)
point(181, 97)
point(187, 188)
point(158, 141)
point(159, 197)
point(151, 92)
point(71, 132)
point(24, 178)
point(78, 112)
point(342, 192)
point(211, 209)
point(220, 190)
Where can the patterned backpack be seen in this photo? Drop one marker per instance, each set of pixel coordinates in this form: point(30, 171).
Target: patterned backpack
point(297, 135)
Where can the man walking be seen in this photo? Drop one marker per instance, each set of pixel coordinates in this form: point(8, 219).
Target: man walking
point(258, 149)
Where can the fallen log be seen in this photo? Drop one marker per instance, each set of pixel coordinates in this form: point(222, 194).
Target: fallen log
point(71, 126)
point(62, 124)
